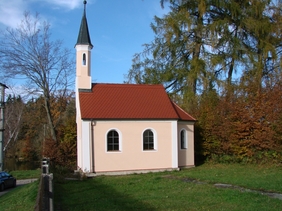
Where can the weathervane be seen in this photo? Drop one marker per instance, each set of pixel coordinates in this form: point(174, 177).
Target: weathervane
point(84, 2)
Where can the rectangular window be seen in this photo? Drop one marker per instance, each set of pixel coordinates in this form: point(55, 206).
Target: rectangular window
point(183, 139)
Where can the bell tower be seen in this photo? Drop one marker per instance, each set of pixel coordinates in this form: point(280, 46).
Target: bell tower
point(83, 55)
point(83, 82)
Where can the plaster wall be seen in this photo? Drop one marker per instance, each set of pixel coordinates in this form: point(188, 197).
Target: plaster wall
point(131, 155)
point(83, 71)
point(186, 156)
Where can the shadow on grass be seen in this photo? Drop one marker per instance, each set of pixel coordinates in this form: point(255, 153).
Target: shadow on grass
point(94, 194)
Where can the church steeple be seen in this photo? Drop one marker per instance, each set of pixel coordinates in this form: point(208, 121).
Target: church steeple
point(83, 55)
point(83, 36)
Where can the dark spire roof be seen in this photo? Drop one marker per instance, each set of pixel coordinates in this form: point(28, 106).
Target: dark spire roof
point(83, 36)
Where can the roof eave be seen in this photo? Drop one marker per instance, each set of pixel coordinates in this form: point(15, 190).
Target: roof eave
point(136, 119)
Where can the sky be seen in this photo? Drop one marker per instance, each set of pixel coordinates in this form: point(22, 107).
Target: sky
point(118, 28)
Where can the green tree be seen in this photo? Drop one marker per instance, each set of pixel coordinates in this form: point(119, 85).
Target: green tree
point(176, 56)
point(202, 42)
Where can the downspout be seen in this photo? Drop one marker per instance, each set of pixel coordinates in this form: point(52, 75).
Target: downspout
point(93, 123)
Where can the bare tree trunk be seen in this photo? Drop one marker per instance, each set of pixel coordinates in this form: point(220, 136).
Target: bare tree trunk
point(49, 117)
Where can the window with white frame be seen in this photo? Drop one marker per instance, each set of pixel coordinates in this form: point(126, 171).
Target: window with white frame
point(148, 140)
point(84, 59)
point(183, 139)
point(112, 141)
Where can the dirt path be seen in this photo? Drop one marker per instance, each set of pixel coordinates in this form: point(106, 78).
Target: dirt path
point(275, 195)
point(267, 193)
point(271, 194)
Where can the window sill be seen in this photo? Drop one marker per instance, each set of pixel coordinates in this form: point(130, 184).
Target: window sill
point(149, 150)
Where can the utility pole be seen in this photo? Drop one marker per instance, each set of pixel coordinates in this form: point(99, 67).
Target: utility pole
point(2, 123)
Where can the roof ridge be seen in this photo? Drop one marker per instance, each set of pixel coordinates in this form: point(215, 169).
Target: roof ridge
point(125, 84)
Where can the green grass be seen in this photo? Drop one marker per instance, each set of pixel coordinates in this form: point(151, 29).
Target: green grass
point(260, 177)
point(169, 191)
point(28, 174)
point(21, 198)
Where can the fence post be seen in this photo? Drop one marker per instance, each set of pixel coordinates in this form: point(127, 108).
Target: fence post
point(51, 194)
point(47, 186)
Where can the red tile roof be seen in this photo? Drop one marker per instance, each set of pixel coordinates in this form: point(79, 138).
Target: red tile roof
point(129, 101)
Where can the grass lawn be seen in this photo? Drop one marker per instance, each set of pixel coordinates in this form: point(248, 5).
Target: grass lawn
point(21, 198)
point(260, 177)
point(28, 174)
point(171, 191)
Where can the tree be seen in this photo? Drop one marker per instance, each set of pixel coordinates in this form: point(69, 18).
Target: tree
point(29, 53)
point(175, 57)
point(63, 153)
point(13, 113)
point(202, 42)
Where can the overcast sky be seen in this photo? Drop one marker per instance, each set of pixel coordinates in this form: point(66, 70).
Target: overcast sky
point(118, 28)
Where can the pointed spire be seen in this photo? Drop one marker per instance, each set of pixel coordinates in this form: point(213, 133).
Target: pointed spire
point(83, 36)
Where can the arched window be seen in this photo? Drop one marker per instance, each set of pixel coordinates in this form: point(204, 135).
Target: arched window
point(148, 140)
point(183, 139)
point(84, 59)
point(112, 141)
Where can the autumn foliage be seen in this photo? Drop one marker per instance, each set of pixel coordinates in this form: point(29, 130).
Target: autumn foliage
point(63, 153)
point(243, 124)
point(34, 140)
